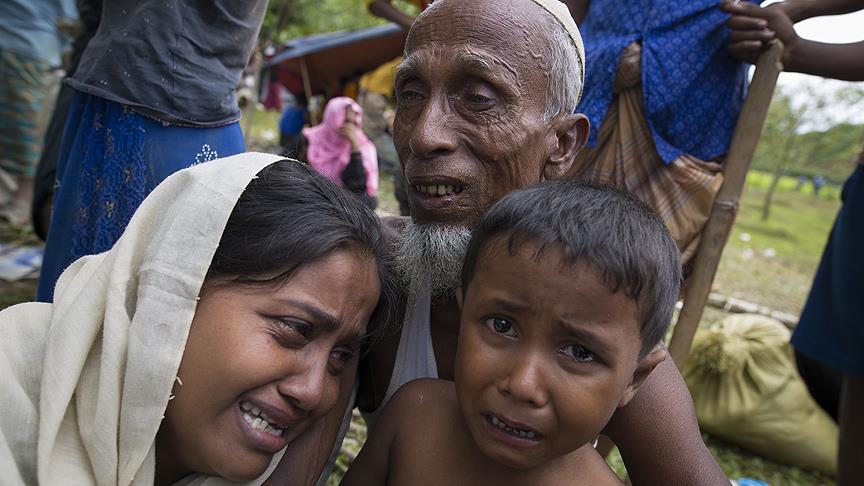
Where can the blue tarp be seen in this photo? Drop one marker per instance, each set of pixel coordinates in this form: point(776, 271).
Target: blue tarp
point(305, 46)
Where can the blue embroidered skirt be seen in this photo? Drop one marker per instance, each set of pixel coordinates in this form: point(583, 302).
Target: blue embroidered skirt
point(110, 158)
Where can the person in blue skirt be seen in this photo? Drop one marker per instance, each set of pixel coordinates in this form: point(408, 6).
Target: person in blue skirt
point(154, 94)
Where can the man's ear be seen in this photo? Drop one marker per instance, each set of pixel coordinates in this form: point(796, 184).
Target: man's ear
point(570, 133)
point(643, 369)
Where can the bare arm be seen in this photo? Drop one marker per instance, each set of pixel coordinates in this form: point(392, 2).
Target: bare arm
point(799, 10)
point(836, 61)
point(372, 465)
point(658, 435)
point(386, 10)
point(753, 27)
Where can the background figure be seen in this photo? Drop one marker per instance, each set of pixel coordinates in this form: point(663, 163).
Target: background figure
point(829, 336)
point(338, 149)
point(30, 45)
point(818, 182)
point(376, 93)
point(291, 124)
point(89, 11)
point(663, 95)
point(155, 93)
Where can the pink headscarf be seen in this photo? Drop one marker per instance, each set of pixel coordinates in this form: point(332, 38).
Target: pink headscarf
point(329, 152)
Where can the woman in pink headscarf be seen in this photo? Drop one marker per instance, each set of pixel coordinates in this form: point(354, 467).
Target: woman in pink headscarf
point(338, 149)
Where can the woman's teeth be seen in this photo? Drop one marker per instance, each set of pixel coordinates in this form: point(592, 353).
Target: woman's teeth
point(438, 190)
point(258, 420)
point(527, 434)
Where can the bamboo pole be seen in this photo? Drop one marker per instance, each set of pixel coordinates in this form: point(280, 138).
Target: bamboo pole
point(725, 207)
point(307, 87)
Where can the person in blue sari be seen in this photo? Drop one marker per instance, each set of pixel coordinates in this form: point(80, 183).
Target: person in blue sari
point(154, 93)
point(663, 95)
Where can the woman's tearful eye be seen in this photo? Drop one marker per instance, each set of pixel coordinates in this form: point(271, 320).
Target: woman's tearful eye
point(578, 353)
point(339, 358)
point(290, 332)
point(500, 325)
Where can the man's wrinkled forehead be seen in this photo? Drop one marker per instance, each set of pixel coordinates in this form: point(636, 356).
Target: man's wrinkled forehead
point(504, 35)
point(466, 59)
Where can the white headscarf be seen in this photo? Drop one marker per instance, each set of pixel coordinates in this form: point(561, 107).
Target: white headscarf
point(85, 381)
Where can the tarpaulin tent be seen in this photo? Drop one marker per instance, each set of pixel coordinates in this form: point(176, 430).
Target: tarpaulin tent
point(321, 63)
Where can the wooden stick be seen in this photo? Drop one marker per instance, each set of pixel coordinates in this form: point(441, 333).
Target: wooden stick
point(725, 208)
point(307, 87)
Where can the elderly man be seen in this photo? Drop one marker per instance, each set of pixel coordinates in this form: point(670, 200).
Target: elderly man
point(485, 101)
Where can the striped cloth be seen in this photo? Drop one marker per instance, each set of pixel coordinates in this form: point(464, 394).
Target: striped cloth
point(22, 87)
point(626, 158)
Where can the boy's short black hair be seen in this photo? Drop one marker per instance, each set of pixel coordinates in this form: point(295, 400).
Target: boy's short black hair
point(611, 230)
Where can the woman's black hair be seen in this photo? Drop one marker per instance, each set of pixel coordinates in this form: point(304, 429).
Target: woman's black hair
point(290, 215)
point(611, 230)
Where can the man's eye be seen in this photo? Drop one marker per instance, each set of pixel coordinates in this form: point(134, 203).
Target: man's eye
point(409, 95)
point(478, 99)
point(578, 353)
point(500, 326)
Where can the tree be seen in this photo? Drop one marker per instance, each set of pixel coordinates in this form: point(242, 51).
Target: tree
point(288, 19)
point(784, 148)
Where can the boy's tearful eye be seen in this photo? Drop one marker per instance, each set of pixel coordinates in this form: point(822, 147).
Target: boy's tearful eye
point(578, 353)
point(500, 325)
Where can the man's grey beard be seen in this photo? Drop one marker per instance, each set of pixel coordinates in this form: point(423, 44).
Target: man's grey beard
point(433, 252)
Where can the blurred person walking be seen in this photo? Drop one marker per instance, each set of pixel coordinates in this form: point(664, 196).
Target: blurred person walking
point(89, 12)
point(31, 43)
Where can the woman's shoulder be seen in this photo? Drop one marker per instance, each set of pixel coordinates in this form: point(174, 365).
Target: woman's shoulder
point(24, 328)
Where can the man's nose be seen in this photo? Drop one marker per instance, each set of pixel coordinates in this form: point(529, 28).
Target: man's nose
point(307, 386)
point(433, 133)
point(525, 380)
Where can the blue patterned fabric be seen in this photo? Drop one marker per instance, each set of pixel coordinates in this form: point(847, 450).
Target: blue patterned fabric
point(693, 88)
point(110, 158)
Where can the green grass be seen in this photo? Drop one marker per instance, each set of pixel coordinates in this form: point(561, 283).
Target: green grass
point(12, 293)
point(772, 262)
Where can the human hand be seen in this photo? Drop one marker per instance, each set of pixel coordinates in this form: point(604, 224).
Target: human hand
point(753, 27)
point(349, 131)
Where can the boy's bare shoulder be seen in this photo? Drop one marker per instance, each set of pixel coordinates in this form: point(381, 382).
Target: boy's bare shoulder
point(424, 393)
point(423, 405)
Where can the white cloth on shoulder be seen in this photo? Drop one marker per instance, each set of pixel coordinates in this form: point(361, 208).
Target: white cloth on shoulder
point(85, 381)
point(415, 357)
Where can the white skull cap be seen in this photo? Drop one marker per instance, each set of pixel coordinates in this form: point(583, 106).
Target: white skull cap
point(562, 14)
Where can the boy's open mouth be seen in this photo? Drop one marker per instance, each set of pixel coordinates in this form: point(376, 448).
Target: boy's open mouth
point(520, 431)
